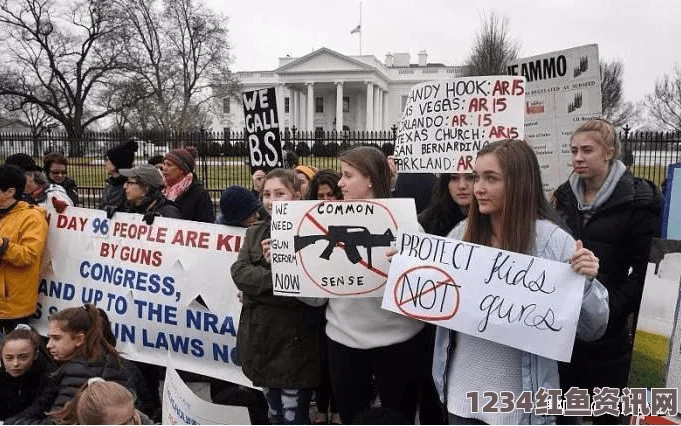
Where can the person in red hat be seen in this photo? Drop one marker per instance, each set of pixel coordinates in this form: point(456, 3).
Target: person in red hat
point(183, 186)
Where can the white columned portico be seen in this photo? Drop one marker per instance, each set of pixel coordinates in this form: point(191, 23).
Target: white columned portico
point(370, 106)
point(385, 110)
point(339, 106)
point(377, 107)
point(303, 112)
point(310, 106)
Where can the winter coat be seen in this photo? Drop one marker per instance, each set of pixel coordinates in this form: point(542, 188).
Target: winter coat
point(114, 193)
point(48, 191)
point(63, 385)
point(418, 186)
point(195, 203)
point(70, 187)
point(553, 243)
point(18, 393)
point(278, 337)
point(25, 226)
point(155, 202)
point(619, 233)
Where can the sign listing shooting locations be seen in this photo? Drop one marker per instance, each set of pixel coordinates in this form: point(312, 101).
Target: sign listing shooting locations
point(445, 123)
point(514, 299)
point(262, 129)
point(336, 248)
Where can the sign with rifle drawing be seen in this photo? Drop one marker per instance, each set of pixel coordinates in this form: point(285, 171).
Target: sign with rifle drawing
point(336, 248)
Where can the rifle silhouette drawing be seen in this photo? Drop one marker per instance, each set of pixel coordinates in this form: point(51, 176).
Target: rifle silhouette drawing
point(351, 237)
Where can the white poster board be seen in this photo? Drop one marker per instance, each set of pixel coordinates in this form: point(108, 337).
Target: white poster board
point(514, 299)
point(562, 90)
point(147, 277)
point(445, 123)
point(181, 406)
point(336, 248)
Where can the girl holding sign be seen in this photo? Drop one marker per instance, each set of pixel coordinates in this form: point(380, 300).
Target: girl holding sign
point(363, 339)
point(509, 211)
point(278, 337)
point(616, 215)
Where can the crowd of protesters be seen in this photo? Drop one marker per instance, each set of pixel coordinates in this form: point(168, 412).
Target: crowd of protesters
point(344, 354)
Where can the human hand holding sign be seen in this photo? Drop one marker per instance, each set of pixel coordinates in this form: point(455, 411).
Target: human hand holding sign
point(584, 261)
point(266, 249)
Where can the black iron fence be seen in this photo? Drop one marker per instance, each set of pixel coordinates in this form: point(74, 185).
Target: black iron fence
point(223, 157)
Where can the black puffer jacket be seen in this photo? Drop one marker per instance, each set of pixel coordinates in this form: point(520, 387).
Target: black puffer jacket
point(619, 233)
point(278, 337)
point(63, 385)
point(114, 193)
point(195, 203)
point(18, 393)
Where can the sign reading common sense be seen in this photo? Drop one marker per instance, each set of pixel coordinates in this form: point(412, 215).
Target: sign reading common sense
point(336, 248)
point(445, 123)
point(518, 300)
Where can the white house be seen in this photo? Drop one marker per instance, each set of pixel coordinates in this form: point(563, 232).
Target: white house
point(325, 90)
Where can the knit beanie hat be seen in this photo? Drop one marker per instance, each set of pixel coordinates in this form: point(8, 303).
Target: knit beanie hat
point(308, 171)
point(236, 204)
point(24, 161)
point(122, 156)
point(184, 158)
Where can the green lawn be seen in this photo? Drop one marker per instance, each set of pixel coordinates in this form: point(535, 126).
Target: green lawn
point(648, 361)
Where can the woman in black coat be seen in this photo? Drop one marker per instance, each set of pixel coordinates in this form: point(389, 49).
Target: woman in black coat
point(616, 216)
point(184, 188)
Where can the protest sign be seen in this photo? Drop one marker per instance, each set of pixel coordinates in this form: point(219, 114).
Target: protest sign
point(562, 90)
point(445, 123)
point(336, 248)
point(262, 129)
point(514, 299)
point(182, 407)
point(147, 278)
point(671, 214)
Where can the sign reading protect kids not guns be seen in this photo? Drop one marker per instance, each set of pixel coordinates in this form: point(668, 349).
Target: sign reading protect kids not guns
point(514, 299)
point(147, 277)
point(445, 123)
point(336, 248)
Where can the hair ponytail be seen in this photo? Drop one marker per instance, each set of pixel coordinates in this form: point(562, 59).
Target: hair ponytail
point(87, 320)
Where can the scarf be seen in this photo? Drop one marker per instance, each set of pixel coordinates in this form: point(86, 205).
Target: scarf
point(173, 192)
point(616, 171)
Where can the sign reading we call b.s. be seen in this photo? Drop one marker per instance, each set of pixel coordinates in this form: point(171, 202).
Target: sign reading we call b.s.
point(262, 129)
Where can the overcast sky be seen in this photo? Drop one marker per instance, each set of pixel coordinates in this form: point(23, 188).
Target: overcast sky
point(644, 34)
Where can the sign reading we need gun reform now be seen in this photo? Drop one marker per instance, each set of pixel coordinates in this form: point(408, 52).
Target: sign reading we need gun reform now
point(445, 123)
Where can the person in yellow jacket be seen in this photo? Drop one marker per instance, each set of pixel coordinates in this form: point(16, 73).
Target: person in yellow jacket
point(23, 233)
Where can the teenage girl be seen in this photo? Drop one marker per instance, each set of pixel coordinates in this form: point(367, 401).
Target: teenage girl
point(25, 364)
point(278, 337)
point(77, 344)
point(509, 211)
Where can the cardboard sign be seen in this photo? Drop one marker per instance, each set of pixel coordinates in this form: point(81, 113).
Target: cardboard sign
point(514, 299)
point(147, 278)
point(336, 248)
point(445, 123)
point(562, 90)
point(262, 129)
point(181, 406)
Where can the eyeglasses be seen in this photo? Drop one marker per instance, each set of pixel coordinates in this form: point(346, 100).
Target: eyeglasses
point(58, 172)
point(132, 182)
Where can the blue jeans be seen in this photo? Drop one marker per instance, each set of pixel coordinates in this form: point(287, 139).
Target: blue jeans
point(288, 406)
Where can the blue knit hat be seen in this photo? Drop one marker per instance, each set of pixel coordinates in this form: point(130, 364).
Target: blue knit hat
point(236, 204)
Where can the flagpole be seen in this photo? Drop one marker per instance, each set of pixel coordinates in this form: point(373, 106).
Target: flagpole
point(360, 28)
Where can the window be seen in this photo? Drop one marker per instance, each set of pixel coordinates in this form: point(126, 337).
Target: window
point(287, 103)
point(225, 105)
point(404, 102)
point(318, 105)
point(346, 103)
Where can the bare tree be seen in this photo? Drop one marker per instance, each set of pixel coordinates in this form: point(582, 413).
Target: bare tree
point(31, 116)
point(493, 47)
point(181, 54)
point(58, 56)
point(613, 105)
point(664, 106)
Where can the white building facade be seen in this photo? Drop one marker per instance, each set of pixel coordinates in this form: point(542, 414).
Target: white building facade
point(327, 91)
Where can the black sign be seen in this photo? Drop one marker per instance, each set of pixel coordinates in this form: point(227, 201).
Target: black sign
point(262, 129)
